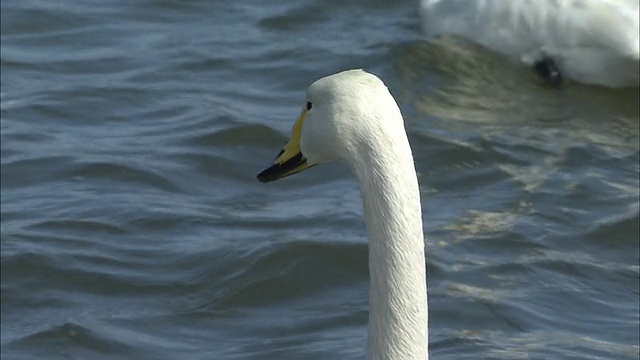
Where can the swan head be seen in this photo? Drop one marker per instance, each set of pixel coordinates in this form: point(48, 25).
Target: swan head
point(345, 115)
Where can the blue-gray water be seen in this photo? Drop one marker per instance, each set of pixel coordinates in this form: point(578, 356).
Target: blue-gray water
point(133, 226)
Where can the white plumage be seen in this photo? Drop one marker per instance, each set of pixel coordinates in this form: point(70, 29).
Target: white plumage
point(353, 119)
point(591, 41)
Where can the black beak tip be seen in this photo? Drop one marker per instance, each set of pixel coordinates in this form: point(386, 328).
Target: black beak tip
point(267, 175)
point(262, 178)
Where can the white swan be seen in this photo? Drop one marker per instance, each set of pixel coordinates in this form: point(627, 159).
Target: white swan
point(590, 41)
point(351, 117)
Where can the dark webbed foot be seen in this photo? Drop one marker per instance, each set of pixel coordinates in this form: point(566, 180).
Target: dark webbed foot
point(548, 70)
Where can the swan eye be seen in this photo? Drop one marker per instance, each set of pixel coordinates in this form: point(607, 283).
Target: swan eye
point(309, 104)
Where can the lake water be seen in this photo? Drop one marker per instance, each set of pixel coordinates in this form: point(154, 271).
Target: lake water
point(133, 226)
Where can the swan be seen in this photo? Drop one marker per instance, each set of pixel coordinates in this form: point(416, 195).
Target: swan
point(590, 41)
point(352, 118)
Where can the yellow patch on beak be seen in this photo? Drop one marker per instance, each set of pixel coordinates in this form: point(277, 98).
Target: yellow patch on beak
point(290, 160)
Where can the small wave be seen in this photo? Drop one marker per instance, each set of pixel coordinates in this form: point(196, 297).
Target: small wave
point(287, 272)
point(549, 344)
point(126, 173)
point(616, 232)
point(26, 172)
point(73, 340)
point(83, 226)
point(243, 135)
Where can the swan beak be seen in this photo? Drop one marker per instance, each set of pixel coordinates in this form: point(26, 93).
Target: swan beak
point(290, 160)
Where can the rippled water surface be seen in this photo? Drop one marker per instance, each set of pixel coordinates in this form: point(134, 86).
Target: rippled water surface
point(133, 226)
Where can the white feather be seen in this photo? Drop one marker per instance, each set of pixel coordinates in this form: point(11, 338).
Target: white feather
point(591, 41)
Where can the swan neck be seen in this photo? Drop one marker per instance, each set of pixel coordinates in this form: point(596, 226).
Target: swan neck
point(398, 324)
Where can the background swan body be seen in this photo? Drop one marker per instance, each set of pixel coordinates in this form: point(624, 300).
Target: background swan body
point(591, 41)
point(351, 117)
